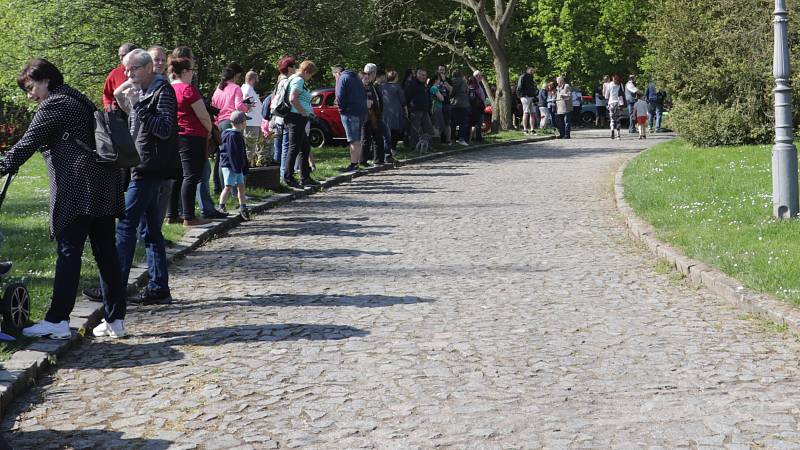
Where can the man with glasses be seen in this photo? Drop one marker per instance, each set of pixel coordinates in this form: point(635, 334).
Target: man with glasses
point(153, 125)
point(115, 78)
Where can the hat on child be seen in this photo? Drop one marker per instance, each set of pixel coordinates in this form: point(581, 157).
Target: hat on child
point(238, 117)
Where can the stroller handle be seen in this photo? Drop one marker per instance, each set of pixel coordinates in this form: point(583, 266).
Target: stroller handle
point(6, 184)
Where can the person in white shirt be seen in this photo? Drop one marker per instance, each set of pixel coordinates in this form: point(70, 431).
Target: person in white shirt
point(253, 101)
point(612, 91)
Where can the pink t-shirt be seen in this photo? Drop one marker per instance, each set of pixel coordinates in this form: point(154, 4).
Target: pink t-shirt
point(190, 125)
point(228, 100)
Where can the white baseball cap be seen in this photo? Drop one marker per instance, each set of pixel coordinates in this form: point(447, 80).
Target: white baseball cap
point(370, 67)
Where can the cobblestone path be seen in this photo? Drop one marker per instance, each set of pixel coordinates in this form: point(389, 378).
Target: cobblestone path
point(490, 300)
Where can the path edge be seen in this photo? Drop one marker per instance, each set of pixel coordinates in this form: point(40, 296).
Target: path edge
point(26, 366)
point(697, 273)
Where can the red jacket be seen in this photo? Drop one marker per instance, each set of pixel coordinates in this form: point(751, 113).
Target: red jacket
point(115, 78)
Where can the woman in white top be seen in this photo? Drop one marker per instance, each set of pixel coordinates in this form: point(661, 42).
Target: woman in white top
point(613, 91)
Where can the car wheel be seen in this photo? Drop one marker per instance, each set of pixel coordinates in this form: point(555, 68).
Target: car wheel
point(587, 118)
point(16, 307)
point(318, 136)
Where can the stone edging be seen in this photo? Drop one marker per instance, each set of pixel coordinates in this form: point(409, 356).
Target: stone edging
point(700, 274)
point(25, 366)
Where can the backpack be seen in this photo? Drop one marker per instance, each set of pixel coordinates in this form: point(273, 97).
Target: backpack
point(475, 99)
point(113, 144)
point(266, 110)
point(280, 105)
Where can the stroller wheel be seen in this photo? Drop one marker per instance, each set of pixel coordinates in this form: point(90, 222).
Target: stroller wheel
point(16, 306)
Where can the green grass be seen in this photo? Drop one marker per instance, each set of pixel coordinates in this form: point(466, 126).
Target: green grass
point(716, 205)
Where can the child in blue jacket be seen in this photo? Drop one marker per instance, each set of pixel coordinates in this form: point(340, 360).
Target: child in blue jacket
point(233, 161)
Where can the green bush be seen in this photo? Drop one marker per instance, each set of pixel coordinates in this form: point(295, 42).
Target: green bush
point(716, 63)
point(709, 125)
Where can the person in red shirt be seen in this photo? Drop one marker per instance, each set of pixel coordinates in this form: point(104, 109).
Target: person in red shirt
point(115, 78)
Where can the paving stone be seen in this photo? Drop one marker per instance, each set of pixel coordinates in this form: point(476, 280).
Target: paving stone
point(488, 300)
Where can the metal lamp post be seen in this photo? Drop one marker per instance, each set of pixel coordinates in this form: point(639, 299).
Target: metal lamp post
point(784, 153)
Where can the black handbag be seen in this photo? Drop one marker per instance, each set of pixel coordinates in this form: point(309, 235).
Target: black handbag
point(113, 142)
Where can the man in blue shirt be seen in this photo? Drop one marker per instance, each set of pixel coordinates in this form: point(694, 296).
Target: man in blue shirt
point(352, 102)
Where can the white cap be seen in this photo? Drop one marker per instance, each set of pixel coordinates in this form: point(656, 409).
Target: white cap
point(370, 67)
point(476, 73)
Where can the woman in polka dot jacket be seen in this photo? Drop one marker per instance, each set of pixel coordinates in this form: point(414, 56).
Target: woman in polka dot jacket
point(85, 196)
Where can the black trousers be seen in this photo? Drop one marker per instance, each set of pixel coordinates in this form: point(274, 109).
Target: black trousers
point(298, 144)
point(372, 139)
point(101, 232)
point(192, 150)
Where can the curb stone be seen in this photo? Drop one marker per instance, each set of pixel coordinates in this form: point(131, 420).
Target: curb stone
point(697, 273)
point(27, 365)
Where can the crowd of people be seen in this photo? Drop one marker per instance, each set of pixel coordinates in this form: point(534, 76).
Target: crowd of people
point(557, 104)
point(178, 131)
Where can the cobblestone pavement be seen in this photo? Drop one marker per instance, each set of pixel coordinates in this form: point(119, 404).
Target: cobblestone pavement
point(490, 300)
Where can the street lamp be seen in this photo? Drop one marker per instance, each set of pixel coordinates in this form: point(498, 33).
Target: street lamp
point(784, 153)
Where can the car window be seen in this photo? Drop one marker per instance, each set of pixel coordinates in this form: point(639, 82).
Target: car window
point(316, 100)
point(330, 100)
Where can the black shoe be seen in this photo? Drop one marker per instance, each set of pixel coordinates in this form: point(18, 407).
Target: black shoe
point(309, 182)
point(291, 182)
point(94, 294)
point(389, 160)
point(245, 214)
point(148, 297)
point(351, 168)
point(215, 215)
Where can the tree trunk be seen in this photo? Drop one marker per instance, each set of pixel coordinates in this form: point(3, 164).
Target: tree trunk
point(502, 108)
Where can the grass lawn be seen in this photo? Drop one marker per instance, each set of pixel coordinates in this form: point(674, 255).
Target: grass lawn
point(24, 222)
point(716, 205)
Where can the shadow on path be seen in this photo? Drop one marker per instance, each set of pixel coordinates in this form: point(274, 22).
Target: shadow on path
point(297, 300)
point(79, 439)
point(107, 354)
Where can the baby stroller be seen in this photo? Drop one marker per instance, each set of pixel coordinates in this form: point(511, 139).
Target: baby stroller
point(15, 307)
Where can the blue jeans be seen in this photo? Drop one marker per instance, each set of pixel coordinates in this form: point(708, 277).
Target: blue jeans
point(281, 147)
point(631, 119)
point(203, 195)
point(387, 139)
point(141, 201)
point(654, 114)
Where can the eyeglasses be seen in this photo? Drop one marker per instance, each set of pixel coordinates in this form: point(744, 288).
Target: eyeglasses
point(133, 68)
point(28, 87)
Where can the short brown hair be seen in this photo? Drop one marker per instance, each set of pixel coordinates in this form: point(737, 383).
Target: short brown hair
point(308, 67)
point(391, 76)
point(179, 65)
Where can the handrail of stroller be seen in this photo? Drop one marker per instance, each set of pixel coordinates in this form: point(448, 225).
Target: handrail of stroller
point(5, 188)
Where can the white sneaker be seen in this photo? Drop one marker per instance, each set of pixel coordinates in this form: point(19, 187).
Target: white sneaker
point(52, 330)
point(115, 329)
point(464, 143)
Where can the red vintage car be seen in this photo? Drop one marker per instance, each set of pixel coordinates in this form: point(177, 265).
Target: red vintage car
point(326, 128)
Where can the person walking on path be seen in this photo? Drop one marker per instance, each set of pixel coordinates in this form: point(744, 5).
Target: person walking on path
point(296, 121)
point(85, 196)
point(233, 161)
point(563, 99)
point(544, 112)
point(115, 78)
point(640, 111)
point(194, 125)
point(477, 106)
point(655, 103)
point(352, 101)
point(630, 100)
point(459, 111)
point(253, 101)
point(394, 105)
point(614, 92)
point(528, 95)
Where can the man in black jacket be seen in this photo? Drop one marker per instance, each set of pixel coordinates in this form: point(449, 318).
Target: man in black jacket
point(419, 108)
point(371, 131)
point(153, 125)
point(527, 92)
